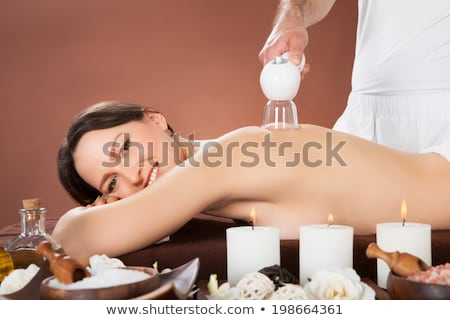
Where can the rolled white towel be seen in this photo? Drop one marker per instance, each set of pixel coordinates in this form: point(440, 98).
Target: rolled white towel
point(17, 279)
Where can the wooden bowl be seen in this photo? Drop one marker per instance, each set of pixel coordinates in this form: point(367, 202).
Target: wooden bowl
point(400, 288)
point(119, 292)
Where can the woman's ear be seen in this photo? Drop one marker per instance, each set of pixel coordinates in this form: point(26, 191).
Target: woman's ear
point(158, 119)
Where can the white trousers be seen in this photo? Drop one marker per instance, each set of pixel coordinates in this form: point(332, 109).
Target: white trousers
point(416, 123)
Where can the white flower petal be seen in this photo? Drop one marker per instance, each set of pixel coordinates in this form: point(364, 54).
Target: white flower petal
point(339, 284)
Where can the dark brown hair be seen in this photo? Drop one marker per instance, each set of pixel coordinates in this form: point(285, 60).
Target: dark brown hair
point(100, 116)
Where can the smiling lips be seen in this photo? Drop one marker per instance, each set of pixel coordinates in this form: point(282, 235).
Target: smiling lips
point(153, 174)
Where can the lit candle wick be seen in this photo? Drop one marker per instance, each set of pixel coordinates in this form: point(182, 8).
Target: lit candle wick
point(252, 218)
point(403, 212)
point(330, 220)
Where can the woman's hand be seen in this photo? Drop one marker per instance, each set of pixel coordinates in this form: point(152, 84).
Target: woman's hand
point(102, 199)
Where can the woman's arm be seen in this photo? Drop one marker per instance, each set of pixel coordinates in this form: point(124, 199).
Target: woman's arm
point(140, 219)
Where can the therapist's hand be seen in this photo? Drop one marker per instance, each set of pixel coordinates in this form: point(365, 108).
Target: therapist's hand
point(286, 37)
point(292, 38)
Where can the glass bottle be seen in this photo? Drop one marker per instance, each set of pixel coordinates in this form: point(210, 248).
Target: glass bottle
point(280, 81)
point(6, 264)
point(23, 247)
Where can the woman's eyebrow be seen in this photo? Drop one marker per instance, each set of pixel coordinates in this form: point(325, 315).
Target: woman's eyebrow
point(114, 145)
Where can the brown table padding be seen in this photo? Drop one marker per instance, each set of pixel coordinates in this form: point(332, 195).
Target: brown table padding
point(206, 239)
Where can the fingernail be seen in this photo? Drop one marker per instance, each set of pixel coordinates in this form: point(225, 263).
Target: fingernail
point(296, 60)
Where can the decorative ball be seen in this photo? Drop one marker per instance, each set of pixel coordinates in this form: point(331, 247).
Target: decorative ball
point(255, 286)
point(279, 276)
point(290, 292)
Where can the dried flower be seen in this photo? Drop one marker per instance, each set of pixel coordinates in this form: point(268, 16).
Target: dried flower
point(165, 270)
point(222, 292)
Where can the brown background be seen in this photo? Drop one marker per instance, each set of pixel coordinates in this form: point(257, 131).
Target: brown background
point(195, 60)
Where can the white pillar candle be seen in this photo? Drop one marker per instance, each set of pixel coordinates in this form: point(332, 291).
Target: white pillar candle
point(413, 238)
point(323, 247)
point(250, 249)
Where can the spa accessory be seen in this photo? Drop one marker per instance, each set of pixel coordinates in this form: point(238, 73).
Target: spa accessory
point(65, 268)
point(31, 290)
point(401, 288)
point(280, 81)
point(403, 236)
point(6, 264)
point(324, 246)
point(176, 284)
point(23, 247)
point(181, 280)
point(401, 263)
point(109, 284)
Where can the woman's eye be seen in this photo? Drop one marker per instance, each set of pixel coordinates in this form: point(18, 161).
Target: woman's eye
point(126, 145)
point(112, 184)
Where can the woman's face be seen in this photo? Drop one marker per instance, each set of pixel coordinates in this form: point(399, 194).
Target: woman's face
point(122, 160)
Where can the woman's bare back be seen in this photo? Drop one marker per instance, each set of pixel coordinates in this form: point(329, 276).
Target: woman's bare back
point(290, 178)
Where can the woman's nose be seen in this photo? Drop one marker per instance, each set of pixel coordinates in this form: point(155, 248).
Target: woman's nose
point(132, 174)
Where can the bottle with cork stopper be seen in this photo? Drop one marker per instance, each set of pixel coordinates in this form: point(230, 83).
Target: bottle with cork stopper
point(280, 80)
point(22, 248)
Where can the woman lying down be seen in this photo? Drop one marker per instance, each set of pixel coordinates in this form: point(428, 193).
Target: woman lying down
point(127, 152)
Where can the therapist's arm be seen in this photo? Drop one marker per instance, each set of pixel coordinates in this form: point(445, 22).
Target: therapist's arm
point(289, 31)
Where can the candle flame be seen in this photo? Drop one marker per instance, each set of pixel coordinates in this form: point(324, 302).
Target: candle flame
point(330, 219)
point(403, 211)
point(253, 217)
